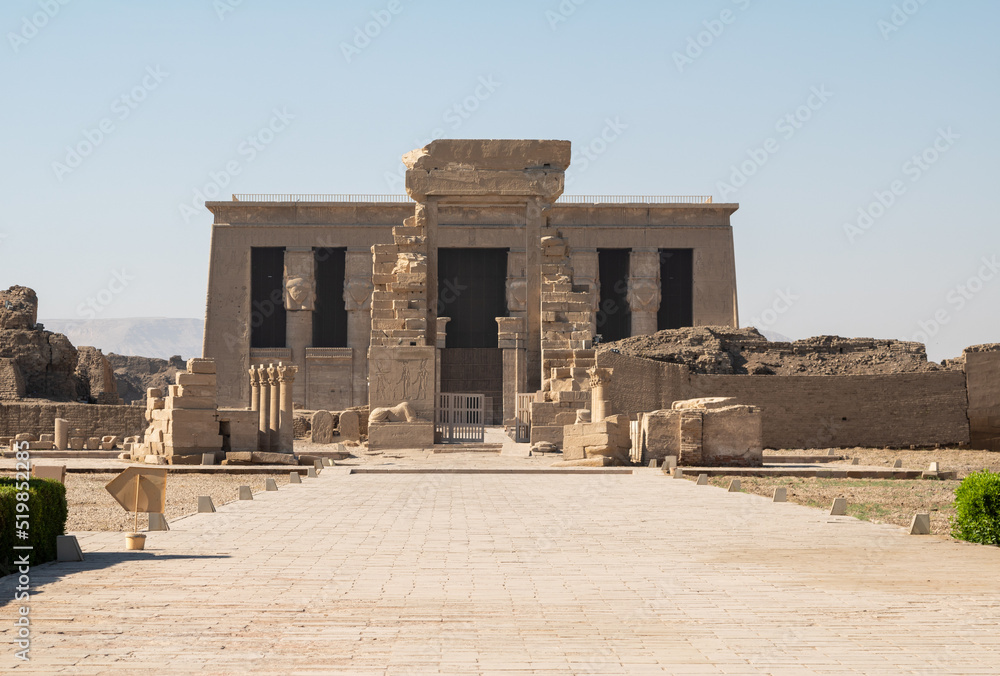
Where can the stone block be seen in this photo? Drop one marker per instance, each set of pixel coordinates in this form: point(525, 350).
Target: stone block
point(294, 478)
point(47, 437)
point(839, 507)
point(205, 505)
point(678, 473)
point(898, 464)
point(25, 436)
point(702, 480)
point(196, 379)
point(382, 436)
point(157, 522)
point(54, 472)
point(311, 472)
point(780, 495)
point(245, 493)
point(735, 486)
point(192, 403)
point(208, 458)
point(201, 366)
point(921, 524)
point(654, 463)
point(68, 548)
point(270, 484)
point(94, 444)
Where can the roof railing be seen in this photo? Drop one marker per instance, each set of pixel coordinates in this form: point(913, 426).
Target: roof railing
point(565, 199)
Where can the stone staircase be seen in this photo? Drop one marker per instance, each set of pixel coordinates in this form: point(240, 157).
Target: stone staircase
point(468, 448)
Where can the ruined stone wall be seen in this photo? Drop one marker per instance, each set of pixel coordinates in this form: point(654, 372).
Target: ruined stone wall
point(900, 409)
point(982, 372)
point(11, 381)
point(93, 420)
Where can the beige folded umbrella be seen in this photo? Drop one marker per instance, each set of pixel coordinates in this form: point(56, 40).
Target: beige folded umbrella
point(140, 489)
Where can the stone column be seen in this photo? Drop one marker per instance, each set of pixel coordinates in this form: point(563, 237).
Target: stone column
point(254, 390)
point(600, 408)
point(263, 435)
point(515, 371)
point(62, 434)
point(274, 407)
point(430, 209)
point(644, 290)
point(286, 434)
point(358, 303)
point(300, 301)
point(442, 340)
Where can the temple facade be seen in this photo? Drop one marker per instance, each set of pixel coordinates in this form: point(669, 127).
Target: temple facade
point(484, 279)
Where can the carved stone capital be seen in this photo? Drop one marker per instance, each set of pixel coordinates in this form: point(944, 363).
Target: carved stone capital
point(358, 294)
point(300, 281)
point(286, 374)
point(599, 376)
point(517, 294)
point(643, 294)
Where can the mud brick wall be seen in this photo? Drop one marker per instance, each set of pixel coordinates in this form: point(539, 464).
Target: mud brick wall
point(94, 420)
point(982, 371)
point(809, 411)
point(11, 382)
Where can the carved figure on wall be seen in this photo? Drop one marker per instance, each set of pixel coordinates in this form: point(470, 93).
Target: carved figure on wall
point(358, 294)
point(643, 295)
point(517, 294)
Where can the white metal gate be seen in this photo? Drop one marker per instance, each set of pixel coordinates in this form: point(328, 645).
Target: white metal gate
point(460, 418)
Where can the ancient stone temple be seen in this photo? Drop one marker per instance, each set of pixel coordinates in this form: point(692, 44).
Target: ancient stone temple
point(483, 279)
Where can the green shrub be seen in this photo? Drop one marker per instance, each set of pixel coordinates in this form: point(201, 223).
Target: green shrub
point(977, 509)
point(47, 513)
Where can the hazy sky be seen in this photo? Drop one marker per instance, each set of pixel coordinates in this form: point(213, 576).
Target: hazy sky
point(859, 137)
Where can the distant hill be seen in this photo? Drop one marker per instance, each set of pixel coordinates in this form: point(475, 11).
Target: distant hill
point(158, 337)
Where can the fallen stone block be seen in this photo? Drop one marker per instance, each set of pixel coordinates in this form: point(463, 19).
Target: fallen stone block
point(780, 495)
point(921, 524)
point(839, 507)
point(205, 505)
point(54, 472)
point(154, 460)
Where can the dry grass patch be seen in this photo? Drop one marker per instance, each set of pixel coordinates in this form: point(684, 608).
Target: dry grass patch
point(963, 461)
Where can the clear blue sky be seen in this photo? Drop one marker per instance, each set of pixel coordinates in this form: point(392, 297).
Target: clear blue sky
point(208, 78)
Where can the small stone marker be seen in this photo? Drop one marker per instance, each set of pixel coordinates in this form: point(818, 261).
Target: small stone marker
point(312, 473)
point(670, 461)
point(157, 522)
point(654, 463)
point(349, 426)
point(208, 458)
point(855, 461)
point(734, 486)
point(830, 452)
point(294, 478)
point(702, 480)
point(897, 464)
point(246, 493)
point(935, 467)
point(322, 427)
point(318, 464)
point(205, 505)
point(921, 524)
point(678, 473)
point(68, 549)
point(839, 507)
point(780, 495)
point(330, 463)
point(270, 484)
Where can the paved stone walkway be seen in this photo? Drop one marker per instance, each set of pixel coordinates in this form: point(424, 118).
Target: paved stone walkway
point(515, 574)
